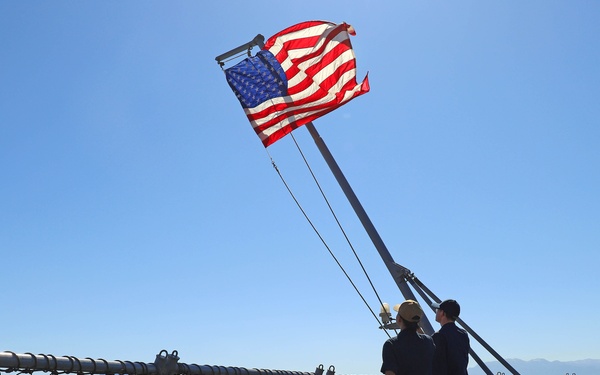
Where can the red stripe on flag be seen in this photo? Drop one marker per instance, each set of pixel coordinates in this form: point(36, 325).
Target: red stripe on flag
point(329, 52)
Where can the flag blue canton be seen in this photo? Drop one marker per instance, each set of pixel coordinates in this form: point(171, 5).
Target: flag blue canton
point(257, 79)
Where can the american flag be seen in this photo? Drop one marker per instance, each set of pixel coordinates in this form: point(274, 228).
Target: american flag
point(302, 73)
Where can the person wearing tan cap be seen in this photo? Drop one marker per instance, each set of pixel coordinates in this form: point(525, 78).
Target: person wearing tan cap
point(410, 352)
point(451, 342)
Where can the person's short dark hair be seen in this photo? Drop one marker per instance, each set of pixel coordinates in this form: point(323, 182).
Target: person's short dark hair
point(410, 326)
point(450, 307)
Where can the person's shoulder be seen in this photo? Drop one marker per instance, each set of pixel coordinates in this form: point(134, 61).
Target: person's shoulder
point(439, 337)
point(388, 344)
point(425, 337)
point(458, 329)
point(451, 327)
point(444, 330)
point(392, 340)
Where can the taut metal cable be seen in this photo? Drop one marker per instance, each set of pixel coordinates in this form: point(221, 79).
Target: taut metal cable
point(339, 224)
point(319, 234)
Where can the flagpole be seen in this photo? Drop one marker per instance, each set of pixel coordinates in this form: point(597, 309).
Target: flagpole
point(398, 272)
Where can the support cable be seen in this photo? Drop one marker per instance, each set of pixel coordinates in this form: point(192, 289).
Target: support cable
point(339, 226)
point(321, 238)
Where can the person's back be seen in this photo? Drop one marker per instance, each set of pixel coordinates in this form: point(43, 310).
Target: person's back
point(451, 350)
point(409, 353)
point(451, 355)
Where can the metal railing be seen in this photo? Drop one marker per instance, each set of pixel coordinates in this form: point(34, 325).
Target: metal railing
point(164, 364)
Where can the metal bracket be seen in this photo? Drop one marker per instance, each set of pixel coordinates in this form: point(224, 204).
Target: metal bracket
point(167, 364)
point(258, 40)
point(400, 272)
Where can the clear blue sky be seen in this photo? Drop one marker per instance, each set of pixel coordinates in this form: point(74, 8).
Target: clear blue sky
point(139, 212)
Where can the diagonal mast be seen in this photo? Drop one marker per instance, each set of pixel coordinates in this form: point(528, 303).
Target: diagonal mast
point(398, 272)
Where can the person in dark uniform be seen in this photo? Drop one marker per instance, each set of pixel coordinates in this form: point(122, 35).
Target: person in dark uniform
point(451, 342)
point(410, 352)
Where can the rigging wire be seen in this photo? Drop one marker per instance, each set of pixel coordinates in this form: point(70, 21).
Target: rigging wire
point(337, 221)
point(321, 237)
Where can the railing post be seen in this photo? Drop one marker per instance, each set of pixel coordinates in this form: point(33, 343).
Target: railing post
point(167, 364)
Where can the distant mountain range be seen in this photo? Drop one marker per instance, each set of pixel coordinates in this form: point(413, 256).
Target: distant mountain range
point(543, 367)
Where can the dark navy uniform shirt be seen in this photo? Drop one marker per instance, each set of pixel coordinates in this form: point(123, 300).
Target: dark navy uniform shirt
point(409, 353)
point(451, 350)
